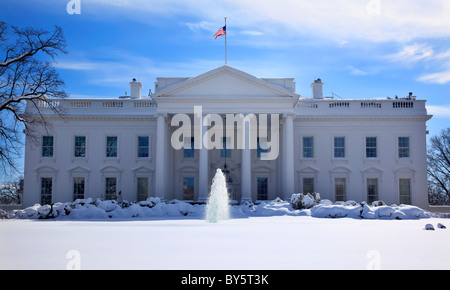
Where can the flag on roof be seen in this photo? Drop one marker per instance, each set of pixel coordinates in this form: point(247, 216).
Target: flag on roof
point(222, 31)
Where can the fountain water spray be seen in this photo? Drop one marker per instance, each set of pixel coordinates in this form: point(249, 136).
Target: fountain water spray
point(218, 207)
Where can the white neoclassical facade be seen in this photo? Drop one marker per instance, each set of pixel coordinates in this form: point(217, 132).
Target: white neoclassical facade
point(126, 147)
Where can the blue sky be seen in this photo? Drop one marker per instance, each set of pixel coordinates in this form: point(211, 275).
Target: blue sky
point(360, 48)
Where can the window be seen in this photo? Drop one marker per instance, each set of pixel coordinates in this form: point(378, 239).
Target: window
point(308, 185)
point(263, 142)
point(80, 146)
point(405, 191)
point(189, 151)
point(308, 147)
point(47, 146)
point(372, 190)
point(339, 147)
point(111, 146)
point(225, 152)
point(46, 190)
point(340, 189)
point(371, 147)
point(143, 146)
point(110, 188)
point(142, 188)
point(188, 188)
point(262, 188)
point(78, 188)
point(403, 147)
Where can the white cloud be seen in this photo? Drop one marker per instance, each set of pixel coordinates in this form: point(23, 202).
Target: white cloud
point(439, 111)
point(75, 65)
point(203, 25)
point(357, 72)
point(252, 32)
point(430, 57)
point(443, 55)
point(337, 20)
point(412, 53)
point(435, 78)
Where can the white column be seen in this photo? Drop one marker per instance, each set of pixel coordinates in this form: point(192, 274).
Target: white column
point(160, 170)
point(289, 156)
point(246, 170)
point(203, 178)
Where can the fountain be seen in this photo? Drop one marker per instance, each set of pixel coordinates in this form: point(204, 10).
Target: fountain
point(218, 207)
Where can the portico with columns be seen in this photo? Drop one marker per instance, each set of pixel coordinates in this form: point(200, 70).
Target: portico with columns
point(224, 91)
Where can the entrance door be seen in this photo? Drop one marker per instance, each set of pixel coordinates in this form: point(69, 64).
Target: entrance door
point(262, 188)
point(188, 188)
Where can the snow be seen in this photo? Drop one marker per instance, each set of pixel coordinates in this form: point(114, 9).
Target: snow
point(253, 243)
point(271, 235)
point(429, 227)
point(299, 205)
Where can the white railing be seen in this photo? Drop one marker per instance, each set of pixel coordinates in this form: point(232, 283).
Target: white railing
point(370, 105)
point(339, 104)
point(112, 104)
point(48, 104)
point(94, 106)
point(143, 104)
point(388, 106)
point(403, 104)
point(80, 104)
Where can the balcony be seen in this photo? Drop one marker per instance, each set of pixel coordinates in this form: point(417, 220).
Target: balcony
point(333, 107)
point(94, 106)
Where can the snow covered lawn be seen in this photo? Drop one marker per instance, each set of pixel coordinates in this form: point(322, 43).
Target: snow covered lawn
point(189, 243)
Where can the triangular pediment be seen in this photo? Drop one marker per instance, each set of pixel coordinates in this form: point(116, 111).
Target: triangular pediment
point(78, 169)
point(309, 169)
point(224, 82)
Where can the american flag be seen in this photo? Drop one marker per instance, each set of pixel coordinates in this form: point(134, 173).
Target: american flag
point(221, 31)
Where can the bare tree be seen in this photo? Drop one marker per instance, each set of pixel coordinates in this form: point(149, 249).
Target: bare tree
point(439, 164)
point(12, 192)
point(26, 74)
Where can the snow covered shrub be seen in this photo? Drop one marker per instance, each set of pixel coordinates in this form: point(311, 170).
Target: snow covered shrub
point(350, 203)
point(429, 227)
point(248, 204)
point(3, 214)
point(107, 205)
point(326, 202)
point(47, 212)
point(150, 202)
point(378, 203)
point(385, 211)
point(304, 201)
point(277, 200)
point(176, 206)
point(296, 200)
point(125, 204)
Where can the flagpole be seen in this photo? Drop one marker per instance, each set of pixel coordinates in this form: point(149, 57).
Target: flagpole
point(225, 41)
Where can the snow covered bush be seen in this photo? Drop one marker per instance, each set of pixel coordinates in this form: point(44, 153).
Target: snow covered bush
point(3, 214)
point(365, 211)
point(378, 203)
point(104, 209)
point(304, 201)
point(150, 202)
point(299, 205)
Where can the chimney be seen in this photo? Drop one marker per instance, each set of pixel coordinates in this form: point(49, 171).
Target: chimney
point(136, 89)
point(317, 89)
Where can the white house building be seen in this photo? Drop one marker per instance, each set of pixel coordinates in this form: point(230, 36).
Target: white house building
point(362, 150)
